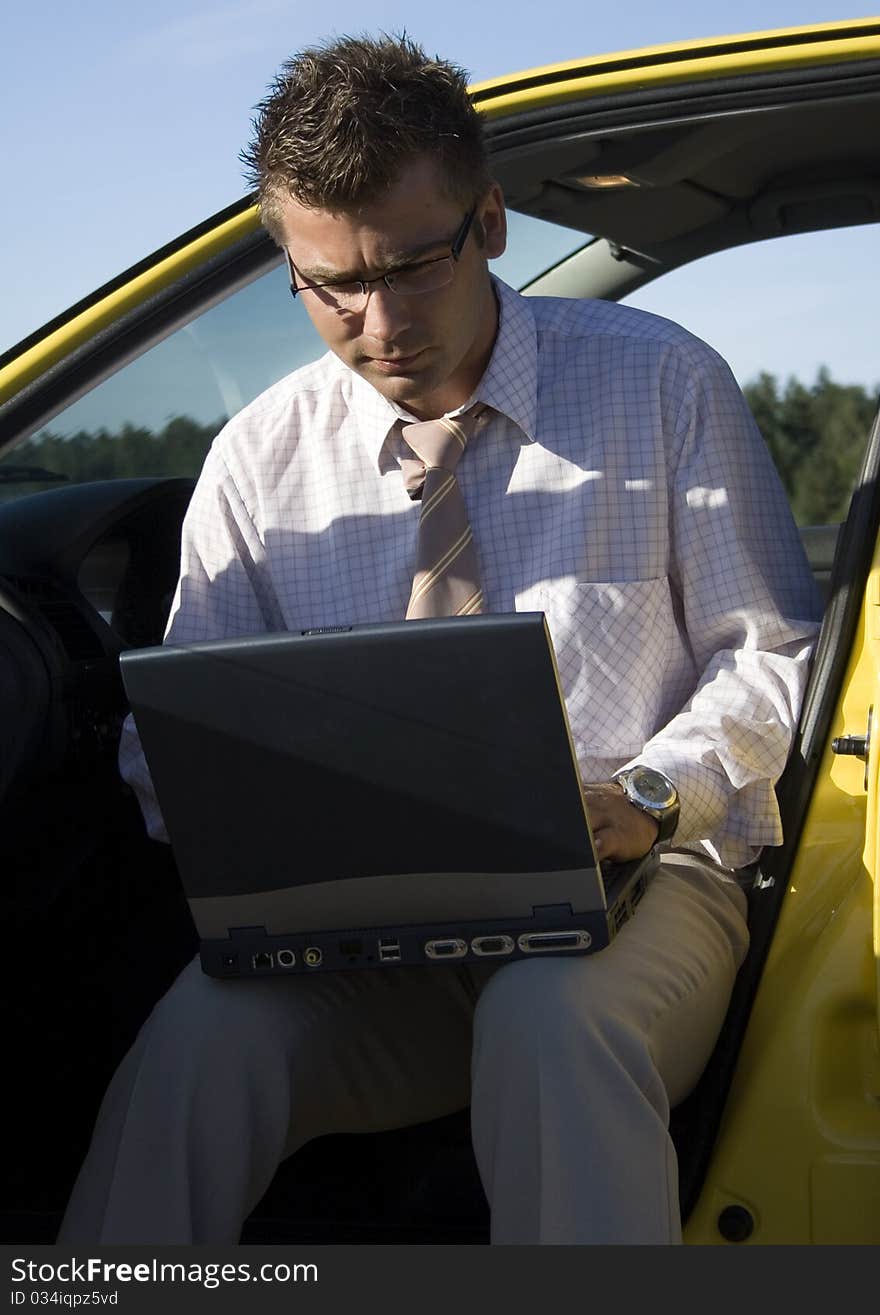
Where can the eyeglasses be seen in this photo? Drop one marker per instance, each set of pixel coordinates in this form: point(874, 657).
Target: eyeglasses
point(428, 276)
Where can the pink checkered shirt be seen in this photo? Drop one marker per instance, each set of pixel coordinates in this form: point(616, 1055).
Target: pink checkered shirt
point(619, 485)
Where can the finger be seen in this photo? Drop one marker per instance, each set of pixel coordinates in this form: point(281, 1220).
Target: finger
point(604, 842)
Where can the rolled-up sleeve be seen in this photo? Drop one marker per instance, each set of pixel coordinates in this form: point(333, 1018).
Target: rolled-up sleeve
point(749, 609)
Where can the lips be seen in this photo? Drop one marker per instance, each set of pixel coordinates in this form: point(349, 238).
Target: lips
point(395, 360)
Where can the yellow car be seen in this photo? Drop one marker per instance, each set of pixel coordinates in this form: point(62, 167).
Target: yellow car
point(740, 153)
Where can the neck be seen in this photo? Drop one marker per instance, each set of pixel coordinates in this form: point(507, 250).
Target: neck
point(456, 391)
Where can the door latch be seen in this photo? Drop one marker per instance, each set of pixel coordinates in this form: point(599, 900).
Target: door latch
point(855, 746)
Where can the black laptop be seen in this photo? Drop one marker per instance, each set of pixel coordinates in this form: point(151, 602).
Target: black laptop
point(376, 795)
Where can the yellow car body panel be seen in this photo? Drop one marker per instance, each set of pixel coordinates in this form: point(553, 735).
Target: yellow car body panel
point(799, 1145)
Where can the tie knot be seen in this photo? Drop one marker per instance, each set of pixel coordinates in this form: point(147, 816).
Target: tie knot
point(439, 444)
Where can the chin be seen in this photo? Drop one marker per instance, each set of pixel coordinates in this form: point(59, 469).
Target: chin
point(403, 388)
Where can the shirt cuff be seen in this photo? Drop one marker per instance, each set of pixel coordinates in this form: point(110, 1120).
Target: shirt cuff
point(702, 797)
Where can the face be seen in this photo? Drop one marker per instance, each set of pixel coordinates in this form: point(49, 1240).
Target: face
point(426, 352)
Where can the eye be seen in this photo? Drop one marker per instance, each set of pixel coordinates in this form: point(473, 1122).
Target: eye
point(350, 289)
point(424, 277)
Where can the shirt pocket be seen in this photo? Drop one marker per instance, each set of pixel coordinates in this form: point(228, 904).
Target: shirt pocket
point(614, 643)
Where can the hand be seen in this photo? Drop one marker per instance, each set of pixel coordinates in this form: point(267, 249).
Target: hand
point(620, 830)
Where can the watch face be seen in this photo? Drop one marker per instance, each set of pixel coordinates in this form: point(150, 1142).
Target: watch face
point(653, 787)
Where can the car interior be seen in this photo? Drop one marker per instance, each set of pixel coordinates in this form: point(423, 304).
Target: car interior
point(99, 927)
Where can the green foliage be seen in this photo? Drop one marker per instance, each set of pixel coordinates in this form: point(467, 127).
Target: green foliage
point(179, 448)
point(816, 435)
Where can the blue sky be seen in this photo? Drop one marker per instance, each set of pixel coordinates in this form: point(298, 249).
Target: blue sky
point(124, 121)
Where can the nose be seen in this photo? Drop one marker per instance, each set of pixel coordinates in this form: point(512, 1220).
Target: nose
point(386, 316)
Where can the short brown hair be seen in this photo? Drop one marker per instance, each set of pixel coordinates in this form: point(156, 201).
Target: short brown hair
point(343, 119)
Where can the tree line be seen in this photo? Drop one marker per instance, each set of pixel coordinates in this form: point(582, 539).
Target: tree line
point(133, 451)
point(816, 434)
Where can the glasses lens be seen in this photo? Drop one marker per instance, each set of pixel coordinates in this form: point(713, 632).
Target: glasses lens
point(340, 296)
point(421, 278)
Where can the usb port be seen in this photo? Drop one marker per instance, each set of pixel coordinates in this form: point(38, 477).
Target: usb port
point(389, 950)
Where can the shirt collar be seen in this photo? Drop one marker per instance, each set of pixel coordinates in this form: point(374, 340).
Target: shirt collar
point(509, 385)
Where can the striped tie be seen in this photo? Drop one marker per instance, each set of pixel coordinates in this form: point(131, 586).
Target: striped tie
point(447, 578)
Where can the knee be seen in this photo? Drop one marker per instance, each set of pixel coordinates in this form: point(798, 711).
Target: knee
point(538, 999)
point(560, 1021)
point(201, 1017)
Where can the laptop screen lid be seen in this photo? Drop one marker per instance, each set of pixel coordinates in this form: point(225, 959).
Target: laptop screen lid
point(307, 779)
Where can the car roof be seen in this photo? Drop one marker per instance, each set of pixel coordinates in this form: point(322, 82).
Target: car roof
point(703, 127)
point(678, 62)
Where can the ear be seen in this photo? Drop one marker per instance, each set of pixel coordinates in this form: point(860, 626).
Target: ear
point(494, 218)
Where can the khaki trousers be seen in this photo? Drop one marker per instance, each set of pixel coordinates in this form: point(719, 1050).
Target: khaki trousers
point(570, 1066)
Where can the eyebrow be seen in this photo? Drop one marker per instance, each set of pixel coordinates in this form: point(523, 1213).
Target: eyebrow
point(397, 261)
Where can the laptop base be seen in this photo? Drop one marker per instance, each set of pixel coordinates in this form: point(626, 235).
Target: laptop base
point(553, 930)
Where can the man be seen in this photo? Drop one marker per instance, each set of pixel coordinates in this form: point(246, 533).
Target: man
point(611, 477)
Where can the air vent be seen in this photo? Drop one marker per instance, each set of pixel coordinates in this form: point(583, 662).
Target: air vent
point(63, 615)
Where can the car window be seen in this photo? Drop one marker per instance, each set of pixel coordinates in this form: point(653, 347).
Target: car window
point(533, 246)
point(793, 318)
point(159, 414)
